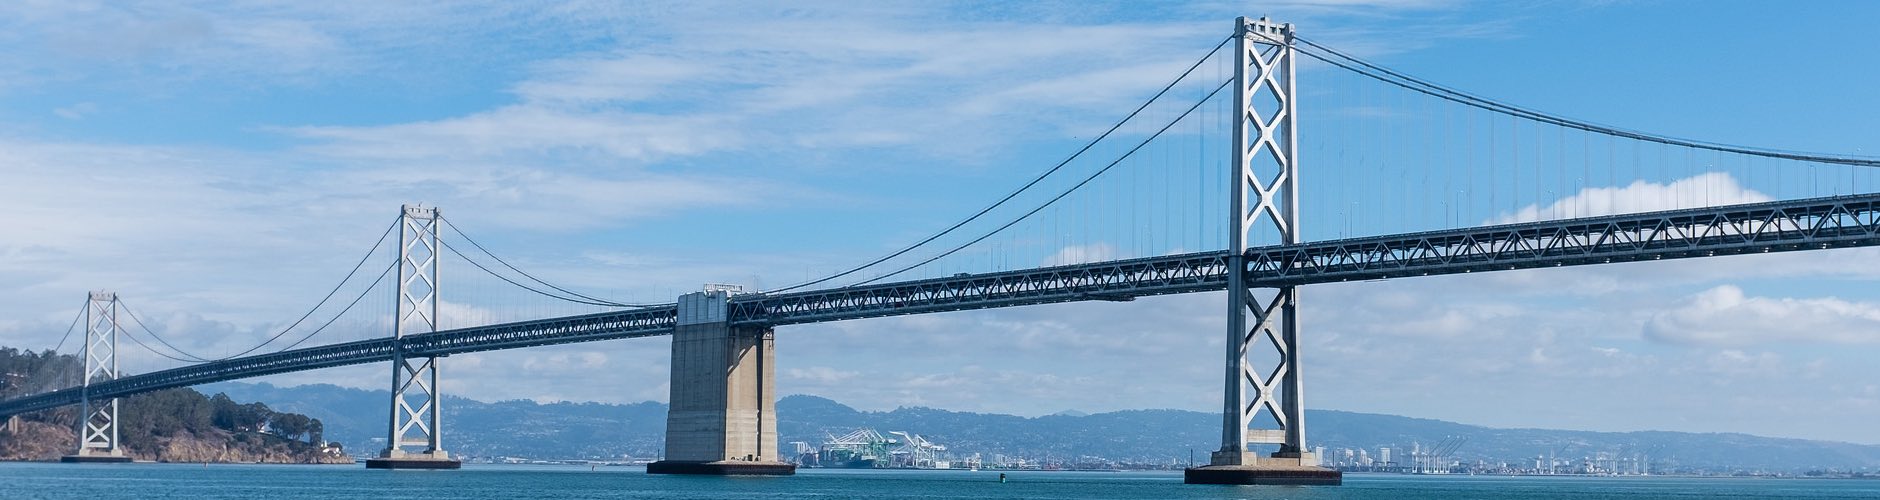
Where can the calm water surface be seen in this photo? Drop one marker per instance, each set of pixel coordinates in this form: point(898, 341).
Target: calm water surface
point(35, 480)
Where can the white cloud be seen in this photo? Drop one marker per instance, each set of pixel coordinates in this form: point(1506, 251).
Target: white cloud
point(1702, 190)
point(1079, 254)
point(623, 78)
point(457, 315)
point(575, 362)
point(529, 131)
point(76, 111)
point(1735, 362)
point(820, 375)
point(836, 81)
point(61, 41)
point(1725, 316)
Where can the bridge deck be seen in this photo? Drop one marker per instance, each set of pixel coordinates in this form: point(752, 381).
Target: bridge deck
point(1810, 224)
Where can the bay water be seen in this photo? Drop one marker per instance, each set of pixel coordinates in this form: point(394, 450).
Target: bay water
point(474, 481)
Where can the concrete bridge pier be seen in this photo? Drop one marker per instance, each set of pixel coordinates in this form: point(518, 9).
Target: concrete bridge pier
point(722, 418)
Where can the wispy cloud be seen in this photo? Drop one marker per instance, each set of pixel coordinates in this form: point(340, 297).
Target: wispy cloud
point(76, 111)
point(1726, 316)
point(1702, 190)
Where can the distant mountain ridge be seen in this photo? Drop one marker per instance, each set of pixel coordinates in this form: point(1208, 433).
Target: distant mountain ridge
point(594, 430)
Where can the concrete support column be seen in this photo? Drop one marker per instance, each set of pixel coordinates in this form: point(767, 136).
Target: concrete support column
point(722, 418)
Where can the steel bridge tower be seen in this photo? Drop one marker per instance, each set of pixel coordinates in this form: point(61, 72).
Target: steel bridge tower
point(1265, 193)
point(98, 423)
point(416, 416)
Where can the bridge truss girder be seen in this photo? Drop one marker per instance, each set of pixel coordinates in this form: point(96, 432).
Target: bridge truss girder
point(1771, 227)
point(1115, 280)
point(1778, 226)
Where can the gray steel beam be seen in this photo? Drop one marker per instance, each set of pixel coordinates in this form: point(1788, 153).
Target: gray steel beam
point(1808, 224)
point(1783, 226)
point(586, 328)
point(1115, 280)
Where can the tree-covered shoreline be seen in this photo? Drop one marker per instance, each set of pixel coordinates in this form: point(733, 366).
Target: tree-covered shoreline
point(177, 425)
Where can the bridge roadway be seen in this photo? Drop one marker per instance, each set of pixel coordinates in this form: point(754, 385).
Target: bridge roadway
point(1810, 224)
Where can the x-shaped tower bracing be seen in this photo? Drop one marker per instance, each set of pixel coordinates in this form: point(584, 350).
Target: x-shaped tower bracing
point(416, 411)
point(98, 421)
point(1265, 192)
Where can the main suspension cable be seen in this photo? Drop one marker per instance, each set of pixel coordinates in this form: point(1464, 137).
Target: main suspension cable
point(303, 339)
point(68, 329)
point(297, 322)
point(342, 312)
point(1399, 79)
point(473, 242)
point(128, 335)
point(499, 276)
point(140, 324)
point(1060, 196)
point(1028, 185)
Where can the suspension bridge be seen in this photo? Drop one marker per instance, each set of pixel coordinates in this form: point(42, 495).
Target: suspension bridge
point(1202, 188)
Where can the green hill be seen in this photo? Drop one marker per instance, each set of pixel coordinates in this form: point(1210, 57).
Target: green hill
point(175, 425)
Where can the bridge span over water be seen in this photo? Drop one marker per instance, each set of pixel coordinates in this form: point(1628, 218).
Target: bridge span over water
point(722, 418)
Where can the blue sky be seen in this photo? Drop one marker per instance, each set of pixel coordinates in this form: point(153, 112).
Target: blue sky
point(221, 164)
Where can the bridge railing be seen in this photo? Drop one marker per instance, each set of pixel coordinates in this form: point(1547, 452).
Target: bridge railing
point(349, 353)
point(1808, 224)
point(1114, 280)
point(641, 322)
point(1816, 223)
point(1813, 223)
point(621, 324)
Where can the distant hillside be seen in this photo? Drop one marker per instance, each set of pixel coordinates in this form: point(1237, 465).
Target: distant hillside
point(174, 425)
point(590, 430)
point(1691, 450)
point(1150, 436)
point(359, 418)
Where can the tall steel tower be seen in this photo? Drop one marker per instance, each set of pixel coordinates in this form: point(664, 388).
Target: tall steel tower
point(1265, 194)
point(416, 402)
point(98, 422)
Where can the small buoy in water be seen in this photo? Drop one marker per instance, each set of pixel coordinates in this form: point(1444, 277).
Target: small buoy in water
point(1001, 478)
